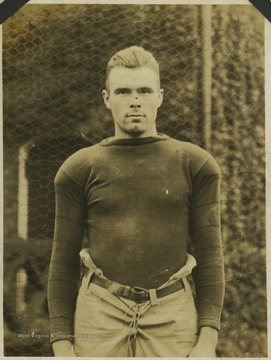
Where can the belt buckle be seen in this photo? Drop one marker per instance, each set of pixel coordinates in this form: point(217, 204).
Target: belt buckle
point(140, 294)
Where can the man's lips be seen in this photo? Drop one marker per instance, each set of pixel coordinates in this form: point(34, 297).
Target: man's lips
point(135, 115)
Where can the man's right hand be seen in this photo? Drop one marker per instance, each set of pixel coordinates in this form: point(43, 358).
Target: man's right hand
point(63, 348)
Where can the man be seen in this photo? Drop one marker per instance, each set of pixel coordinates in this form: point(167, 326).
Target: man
point(142, 198)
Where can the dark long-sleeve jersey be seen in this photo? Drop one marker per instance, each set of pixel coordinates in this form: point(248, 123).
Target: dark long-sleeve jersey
point(140, 202)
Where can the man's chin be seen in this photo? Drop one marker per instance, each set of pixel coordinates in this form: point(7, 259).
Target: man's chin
point(135, 132)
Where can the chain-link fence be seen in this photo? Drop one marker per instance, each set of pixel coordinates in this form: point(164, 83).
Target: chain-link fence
point(54, 60)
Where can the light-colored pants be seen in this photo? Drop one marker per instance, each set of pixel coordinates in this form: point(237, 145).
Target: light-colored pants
point(110, 326)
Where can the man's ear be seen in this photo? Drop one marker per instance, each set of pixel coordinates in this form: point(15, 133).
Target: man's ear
point(161, 96)
point(105, 94)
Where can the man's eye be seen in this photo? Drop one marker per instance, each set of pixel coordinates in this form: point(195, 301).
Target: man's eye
point(145, 91)
point(122, 91)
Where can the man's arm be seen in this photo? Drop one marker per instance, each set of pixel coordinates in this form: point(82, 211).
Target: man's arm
point(64, 272)
point(206, 239)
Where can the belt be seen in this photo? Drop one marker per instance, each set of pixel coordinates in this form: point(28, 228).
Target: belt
point(135, 293)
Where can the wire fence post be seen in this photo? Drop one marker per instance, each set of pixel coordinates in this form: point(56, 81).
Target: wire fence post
point(206, 21)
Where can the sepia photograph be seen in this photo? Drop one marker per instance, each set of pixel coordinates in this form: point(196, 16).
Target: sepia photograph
point(135, 160)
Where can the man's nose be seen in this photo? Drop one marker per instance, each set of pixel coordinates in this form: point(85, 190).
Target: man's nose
point(135, 101)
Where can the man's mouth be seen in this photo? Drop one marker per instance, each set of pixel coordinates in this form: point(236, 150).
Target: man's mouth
point(135, 117)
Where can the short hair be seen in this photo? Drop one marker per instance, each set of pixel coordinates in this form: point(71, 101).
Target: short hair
point(133, 57)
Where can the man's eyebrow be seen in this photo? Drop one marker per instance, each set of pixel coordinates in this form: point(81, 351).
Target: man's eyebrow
point(120, 90)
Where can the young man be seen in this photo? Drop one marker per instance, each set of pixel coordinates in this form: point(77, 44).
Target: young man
point(141, 197)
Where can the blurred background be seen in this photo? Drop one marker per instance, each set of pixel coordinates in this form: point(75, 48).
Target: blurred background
point(212, 70)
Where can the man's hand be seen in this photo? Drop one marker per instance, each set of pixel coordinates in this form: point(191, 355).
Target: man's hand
point(206, 345)
point(63, 348)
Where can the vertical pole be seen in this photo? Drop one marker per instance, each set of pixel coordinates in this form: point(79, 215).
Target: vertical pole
point(23, 193)
point(206, 21)
point(1, 135)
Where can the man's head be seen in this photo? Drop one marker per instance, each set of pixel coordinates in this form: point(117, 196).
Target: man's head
point(132, 57)
point(133, 92)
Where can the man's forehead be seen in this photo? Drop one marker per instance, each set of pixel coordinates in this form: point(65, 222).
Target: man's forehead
point(125, 77)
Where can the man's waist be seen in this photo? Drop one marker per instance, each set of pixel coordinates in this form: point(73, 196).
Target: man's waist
point(136, 293)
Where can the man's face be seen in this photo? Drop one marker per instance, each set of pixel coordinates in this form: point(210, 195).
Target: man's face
point(133, 96)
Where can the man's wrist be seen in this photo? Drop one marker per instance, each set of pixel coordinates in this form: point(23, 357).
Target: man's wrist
point(208, 335)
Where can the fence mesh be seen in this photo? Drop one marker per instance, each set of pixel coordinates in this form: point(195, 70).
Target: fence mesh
point(54, 60)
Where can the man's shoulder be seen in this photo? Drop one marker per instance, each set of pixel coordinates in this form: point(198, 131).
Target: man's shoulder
point(79, 163)
point(195, 157)
point(83, 155)
point(189, 149)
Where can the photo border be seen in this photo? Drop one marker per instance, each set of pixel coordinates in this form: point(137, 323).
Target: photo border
point(267, 129)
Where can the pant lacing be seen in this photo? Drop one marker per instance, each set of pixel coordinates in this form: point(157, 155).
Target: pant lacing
point(133, 328)
point(138, 311)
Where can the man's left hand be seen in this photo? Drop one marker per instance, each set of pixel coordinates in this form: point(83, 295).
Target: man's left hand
point(206, 345)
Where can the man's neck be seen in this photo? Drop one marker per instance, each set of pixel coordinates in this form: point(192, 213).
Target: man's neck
point(134, 135)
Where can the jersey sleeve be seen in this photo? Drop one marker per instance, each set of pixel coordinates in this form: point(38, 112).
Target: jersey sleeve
point(205, 232)
point(64, 271)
